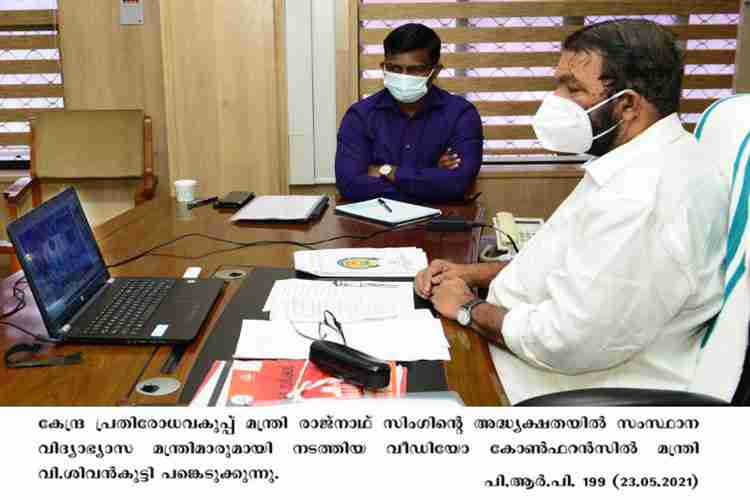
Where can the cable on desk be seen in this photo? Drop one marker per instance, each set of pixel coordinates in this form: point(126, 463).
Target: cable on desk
point(495, 228)
point(247, 244)
point(20, 304)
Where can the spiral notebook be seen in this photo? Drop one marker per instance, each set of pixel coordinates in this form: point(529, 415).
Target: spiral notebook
point(388, 212)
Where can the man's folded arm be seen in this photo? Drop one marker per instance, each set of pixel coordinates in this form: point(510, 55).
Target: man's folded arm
point(436, 184)
point(353, 157)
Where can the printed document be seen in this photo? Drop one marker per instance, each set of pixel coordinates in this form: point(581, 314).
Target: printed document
point(306, 300)
point(412, 337)
point(393, 262)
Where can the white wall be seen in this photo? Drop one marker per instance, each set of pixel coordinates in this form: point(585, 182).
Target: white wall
point(311, 90)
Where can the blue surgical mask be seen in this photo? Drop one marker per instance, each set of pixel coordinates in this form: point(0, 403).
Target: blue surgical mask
point(406, 88)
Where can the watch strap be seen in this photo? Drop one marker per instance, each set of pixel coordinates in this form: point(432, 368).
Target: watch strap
point(470, 305)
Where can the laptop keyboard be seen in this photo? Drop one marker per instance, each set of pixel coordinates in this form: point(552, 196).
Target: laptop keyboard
point(130, 308)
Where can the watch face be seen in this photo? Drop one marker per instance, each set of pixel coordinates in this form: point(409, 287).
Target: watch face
point(385, 170)
point(463, 317)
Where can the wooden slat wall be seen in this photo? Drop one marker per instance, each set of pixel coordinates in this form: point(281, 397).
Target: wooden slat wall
point(26, 21)
point(539, 8)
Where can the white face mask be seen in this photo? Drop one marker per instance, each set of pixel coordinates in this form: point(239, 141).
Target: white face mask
point(406, 88)
point(562, 125)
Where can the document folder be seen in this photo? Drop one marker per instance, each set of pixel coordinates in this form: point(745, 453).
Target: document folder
point(283, 209)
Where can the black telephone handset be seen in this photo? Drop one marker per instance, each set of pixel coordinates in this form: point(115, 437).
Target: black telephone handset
point(234, 200)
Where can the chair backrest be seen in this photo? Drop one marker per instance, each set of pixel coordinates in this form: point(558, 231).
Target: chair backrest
point(724, 133)
point(88, 144)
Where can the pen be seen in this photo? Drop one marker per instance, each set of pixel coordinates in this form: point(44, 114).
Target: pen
point(201, 201)
point(385, 205)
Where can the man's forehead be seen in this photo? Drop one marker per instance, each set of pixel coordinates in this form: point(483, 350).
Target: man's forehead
point(418, 56)
point(583, 66)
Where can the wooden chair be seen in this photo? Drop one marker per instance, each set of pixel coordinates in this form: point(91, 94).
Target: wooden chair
point(70, 145)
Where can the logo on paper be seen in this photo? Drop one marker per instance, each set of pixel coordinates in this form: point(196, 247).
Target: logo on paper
point(358, 263)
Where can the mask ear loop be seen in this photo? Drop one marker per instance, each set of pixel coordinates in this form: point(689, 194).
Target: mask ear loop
point(597, 106)
point(605, 101)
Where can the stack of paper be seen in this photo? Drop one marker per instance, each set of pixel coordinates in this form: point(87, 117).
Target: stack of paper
point(306, 300)
point(411, 337)
point(395, 262)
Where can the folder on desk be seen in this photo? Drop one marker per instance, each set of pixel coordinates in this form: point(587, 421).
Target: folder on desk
point(266, 382)
point(294, 208)
point(388, 212)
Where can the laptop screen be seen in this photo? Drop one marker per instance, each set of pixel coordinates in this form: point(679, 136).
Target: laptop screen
point(59, 256)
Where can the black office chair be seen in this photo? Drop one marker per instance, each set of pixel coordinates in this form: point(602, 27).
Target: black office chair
point(723, 373)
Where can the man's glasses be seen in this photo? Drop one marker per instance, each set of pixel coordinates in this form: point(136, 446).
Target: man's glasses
point(329, 325)
point(416, 69)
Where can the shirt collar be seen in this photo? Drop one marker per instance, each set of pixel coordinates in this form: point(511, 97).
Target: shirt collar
point(664, 131)
point(434, 98)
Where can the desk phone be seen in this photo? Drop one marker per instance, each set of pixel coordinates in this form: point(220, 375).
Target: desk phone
point(521, 229)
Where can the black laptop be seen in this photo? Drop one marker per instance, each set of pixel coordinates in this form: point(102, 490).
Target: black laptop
point(80, 301)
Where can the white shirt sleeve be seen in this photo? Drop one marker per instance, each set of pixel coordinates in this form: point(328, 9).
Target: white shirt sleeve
point(616, 287)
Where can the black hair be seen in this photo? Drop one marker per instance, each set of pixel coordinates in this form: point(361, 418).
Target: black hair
point(410, 37)
point(637, 54)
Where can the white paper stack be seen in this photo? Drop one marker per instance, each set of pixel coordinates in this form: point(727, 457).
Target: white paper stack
point(306, 300)
point(394, 262)
point(412, 337)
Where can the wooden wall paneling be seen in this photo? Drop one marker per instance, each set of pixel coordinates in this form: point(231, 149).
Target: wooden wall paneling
point(534, 83)
point(526, 59)
point(222, 77)
point(282, 116)
point(109, 66)
point(102, 60)
point(533, 8)
point(347, 52)
point(375, 36)
point(247, 69)
point(190, 88)
point(524, 192)
point(153, 91)
point(742, 69)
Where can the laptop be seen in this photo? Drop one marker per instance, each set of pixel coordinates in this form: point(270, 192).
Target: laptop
point(79, 300)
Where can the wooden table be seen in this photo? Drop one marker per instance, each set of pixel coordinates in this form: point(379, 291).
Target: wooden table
point(109, 374)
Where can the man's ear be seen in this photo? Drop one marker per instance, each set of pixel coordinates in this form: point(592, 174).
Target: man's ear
point(438, 68)
point(631, 105)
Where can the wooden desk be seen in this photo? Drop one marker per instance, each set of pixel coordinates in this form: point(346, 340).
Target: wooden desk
point(109, 374)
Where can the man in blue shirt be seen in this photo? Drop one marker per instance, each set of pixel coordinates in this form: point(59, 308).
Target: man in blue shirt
point(411, 141)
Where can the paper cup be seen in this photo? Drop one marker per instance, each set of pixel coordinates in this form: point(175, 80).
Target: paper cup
point(185, 189)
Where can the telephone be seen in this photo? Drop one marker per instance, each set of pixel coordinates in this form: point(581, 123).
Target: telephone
point(520, 229)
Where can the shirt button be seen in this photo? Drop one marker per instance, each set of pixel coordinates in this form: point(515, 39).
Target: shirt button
point(408, 146)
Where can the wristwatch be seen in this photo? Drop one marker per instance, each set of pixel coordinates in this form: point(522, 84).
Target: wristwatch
point(385, 170)
point(464, 312)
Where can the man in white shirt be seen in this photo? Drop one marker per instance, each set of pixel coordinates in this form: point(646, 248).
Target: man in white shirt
point(616, 288)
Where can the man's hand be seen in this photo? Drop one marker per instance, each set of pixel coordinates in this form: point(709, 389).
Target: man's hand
point(374, 171)
point(449, 296)
point(450, 160)
point(433, 275)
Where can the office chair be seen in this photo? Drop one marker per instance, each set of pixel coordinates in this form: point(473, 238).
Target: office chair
point(723, 370)
point(71, 145)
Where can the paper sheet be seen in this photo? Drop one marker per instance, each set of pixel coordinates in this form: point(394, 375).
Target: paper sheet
point(402, 262)
point(306, 300)
point(415, 336)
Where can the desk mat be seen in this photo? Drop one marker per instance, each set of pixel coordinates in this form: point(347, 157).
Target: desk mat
point(247, 303)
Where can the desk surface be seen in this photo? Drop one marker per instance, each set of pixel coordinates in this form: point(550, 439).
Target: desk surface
point(109, 374)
